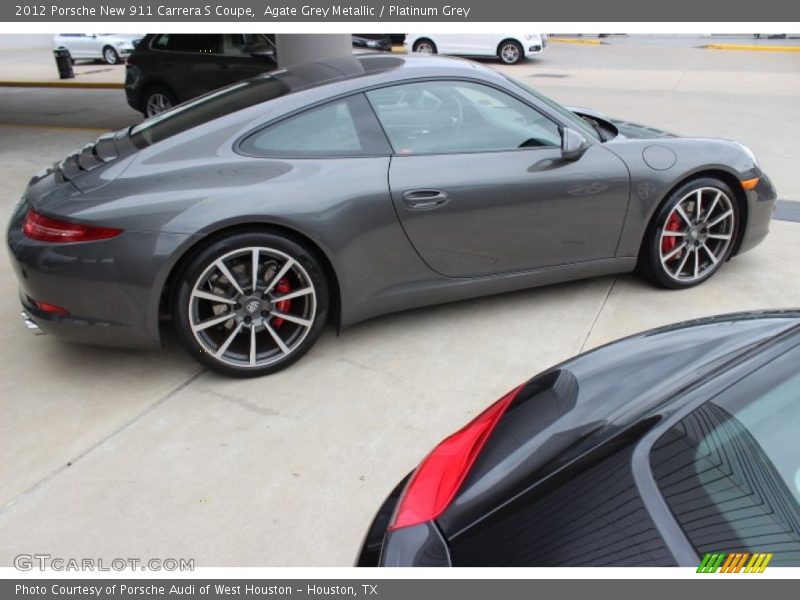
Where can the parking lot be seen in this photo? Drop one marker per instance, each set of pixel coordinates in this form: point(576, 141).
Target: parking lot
point(113, 453)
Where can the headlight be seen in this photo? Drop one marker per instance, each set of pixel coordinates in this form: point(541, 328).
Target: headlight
point(749, 153)
point(533, 36)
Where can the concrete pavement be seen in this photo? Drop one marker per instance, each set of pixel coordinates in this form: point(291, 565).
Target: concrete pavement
point(111, 453)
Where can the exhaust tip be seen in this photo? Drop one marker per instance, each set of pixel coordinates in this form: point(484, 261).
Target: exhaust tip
point(31, 324)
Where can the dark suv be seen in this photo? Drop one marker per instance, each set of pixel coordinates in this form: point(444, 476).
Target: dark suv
point(168, 68)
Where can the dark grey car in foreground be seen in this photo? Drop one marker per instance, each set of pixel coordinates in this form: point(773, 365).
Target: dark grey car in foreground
point(650, 451)
point(357, 187)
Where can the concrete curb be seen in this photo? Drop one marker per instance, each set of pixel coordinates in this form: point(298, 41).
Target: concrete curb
point(100, 85)
point(586, 42)
point(753, 47)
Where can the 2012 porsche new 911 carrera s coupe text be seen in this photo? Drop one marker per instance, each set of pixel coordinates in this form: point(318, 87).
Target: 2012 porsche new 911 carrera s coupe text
point(651, 451)
point(359, 186)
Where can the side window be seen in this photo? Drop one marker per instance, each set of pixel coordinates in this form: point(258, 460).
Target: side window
point(459, 116)
point(196, 43)
point(341, 128)
point(242, 44)
point(730, 471)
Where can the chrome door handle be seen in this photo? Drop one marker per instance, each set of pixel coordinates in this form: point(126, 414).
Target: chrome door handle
point(425, 199)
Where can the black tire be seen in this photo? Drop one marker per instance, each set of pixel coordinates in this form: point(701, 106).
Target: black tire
point(110, 55)
point(510, 52)
point(150, 100)
point(670, 274)
point(255, 326)
point(422, 44)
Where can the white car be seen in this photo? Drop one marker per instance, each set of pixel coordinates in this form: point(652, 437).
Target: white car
point(510, 48)
point(111, 48)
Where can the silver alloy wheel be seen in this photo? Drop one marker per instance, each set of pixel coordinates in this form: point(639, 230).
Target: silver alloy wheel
point(509, 53)
point(425, 48)
point(110, 56)
point(697, 234)
point(157, 103)
point(238, 316)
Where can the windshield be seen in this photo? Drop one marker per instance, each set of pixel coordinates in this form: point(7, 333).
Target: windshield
point(574, 120)
point(207, 108)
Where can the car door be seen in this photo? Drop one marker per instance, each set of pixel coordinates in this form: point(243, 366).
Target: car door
point(80, 45)
point(189, 63)
point(246, 55)
point(447, 43)
point(480, 186)
point(477, 44)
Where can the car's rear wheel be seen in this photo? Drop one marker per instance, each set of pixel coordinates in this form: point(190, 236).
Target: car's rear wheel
point(692, 234)
point(251, 304)
point(424, 46)
point(110, 55)
point(157, 99)
point(510, 52)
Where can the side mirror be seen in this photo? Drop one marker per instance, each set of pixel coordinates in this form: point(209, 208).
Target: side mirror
point(263, 53)
point(573, 144)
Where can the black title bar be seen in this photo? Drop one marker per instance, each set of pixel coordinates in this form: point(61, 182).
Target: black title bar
point(711, 11)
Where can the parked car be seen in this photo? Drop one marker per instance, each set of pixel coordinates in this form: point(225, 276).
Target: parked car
point(169, 68)
point(360, 186)
point(111, 48)
point(651, 451)
point(510, 48)
point(372, 41)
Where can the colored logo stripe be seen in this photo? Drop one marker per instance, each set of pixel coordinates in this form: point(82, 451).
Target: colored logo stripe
point(711, 562)
point(734, 562)
point(758, 563)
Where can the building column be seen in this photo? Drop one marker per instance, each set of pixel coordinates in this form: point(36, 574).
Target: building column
point(293, 48)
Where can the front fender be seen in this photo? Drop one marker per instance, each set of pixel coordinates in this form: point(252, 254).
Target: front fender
point(658, 166)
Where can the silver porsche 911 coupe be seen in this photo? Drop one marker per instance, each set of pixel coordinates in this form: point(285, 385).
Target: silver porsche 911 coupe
point(355, 187)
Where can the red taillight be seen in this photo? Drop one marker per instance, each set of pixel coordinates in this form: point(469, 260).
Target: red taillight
point(51, 308)
point(44, 229)
point(438, 478)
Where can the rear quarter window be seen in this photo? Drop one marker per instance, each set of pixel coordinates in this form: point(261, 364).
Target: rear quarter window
point(343, 127)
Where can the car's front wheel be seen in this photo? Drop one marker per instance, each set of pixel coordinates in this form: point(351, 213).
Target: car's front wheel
point(110, 55)
point(251, 303)
point(424, 46)
point(510, 52)
point(692, 234)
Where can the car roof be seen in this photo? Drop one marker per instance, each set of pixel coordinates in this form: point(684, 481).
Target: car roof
point(381, 66)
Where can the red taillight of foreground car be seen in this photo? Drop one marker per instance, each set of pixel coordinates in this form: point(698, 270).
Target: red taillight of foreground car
point(438, 478)
point(44, 229)
point(50, 308)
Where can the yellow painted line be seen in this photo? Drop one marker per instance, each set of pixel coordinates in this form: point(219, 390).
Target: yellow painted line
point(101, 85)
point(399, 49)
point(588, 42)
point(54, 127)
point(753, 47)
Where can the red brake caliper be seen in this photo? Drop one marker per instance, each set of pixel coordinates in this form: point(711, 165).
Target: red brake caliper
point(282, 287)
point(668, 243)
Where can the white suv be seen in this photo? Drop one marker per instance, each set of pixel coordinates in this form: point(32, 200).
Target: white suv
point(111, 48)
point(510, 48)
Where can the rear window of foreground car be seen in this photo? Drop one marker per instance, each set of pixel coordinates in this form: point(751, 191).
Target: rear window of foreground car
point(206, 108)
point(730, 471)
